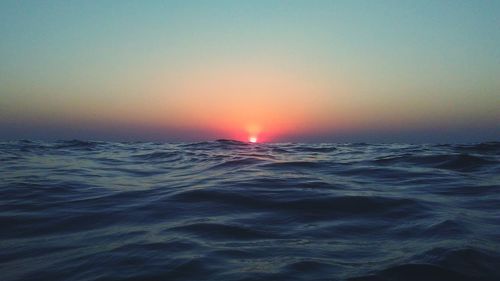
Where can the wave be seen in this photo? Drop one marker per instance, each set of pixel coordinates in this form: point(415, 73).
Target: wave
point(457, 162)
point(485, 147)
point(77, 144)
point(229, 210)
point(160, 155)
point(227, 232)
point(231, 142)
point(443, 264)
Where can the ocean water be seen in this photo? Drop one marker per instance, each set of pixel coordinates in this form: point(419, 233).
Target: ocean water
point(227, 210)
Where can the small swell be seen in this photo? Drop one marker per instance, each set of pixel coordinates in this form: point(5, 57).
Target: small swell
point(231, 142)
point(485, 147)
point(458, 162)
point(244, 162)
point(159, 156)
point(314, 148)
point(294, 164)
point(77, 144)
point(320, 206)
point(464, 162)
point(218, 144)
point(442, 264)
point(415, 272)
point(226, 232)
point(447, 228)
point(355, 205)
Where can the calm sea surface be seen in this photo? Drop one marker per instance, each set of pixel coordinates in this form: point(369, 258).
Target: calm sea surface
point(226, 210)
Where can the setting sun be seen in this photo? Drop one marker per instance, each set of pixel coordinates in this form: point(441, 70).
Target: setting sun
point(252, 139)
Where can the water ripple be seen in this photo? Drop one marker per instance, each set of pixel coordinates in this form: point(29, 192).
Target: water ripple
point(228, 210)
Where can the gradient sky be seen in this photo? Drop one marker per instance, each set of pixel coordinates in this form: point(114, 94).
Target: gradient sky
point(314, 71)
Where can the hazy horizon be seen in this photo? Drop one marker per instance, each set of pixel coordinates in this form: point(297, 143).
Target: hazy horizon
point(282, 71)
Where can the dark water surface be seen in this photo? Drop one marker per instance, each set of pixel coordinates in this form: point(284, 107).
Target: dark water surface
point(225, 210)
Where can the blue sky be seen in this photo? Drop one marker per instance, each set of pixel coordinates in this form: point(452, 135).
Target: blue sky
point(319, 70)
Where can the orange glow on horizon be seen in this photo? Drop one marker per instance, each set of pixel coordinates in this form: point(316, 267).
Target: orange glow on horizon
point(262, 99)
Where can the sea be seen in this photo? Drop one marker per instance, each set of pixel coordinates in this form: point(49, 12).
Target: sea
point(229, 210)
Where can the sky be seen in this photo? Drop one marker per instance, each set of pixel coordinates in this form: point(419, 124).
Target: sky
point(280, 71)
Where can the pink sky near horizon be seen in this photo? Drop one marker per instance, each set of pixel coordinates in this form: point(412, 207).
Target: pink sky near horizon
point(203, 70)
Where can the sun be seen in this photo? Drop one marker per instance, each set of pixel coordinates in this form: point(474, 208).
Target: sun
point(252, 139)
